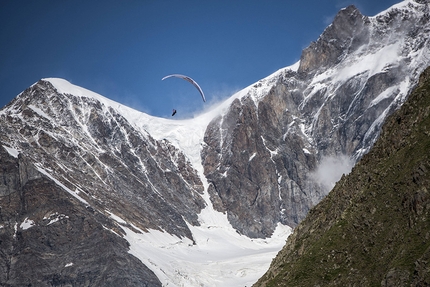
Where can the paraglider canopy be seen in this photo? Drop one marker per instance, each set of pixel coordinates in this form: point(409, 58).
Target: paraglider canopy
point(186, 78)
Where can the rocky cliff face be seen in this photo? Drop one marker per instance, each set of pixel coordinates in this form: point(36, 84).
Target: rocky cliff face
point(262, 157)
point(49, 238)
point(373, 227)
point(79, 166)
point(92, 149)
point(73, 160)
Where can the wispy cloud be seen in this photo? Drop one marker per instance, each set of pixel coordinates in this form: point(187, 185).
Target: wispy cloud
point(331, 169)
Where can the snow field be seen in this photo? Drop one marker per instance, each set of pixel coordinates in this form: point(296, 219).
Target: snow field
point(219, 257)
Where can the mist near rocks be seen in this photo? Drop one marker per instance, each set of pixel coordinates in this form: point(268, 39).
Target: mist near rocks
point(331, 169)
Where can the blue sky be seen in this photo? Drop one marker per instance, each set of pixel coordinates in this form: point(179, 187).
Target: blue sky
point(121, 49)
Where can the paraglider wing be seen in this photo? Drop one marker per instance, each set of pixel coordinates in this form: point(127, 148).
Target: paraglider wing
point(186, 78)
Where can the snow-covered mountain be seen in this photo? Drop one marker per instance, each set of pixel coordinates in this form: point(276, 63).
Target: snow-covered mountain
point(281, 146)
point(201, 202)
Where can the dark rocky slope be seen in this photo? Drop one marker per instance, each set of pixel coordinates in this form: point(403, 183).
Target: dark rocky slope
point(65, 243)
point(373, 228)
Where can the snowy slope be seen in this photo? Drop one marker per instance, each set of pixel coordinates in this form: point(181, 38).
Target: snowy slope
point(186, 135)
point(220, 256)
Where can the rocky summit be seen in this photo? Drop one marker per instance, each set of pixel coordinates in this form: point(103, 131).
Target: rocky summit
point(262, 156)
point(94, 193)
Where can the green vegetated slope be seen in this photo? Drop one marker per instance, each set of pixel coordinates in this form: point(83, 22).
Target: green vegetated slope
point(373, 229)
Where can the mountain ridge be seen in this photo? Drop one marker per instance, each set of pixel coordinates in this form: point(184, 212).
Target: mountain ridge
point(228, 183)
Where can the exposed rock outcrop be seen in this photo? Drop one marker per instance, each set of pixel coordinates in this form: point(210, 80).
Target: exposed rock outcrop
point(48, 238)
point(90, 148)
point(373, 227)
point(262, 156)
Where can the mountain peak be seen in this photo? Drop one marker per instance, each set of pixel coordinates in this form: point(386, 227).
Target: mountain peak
point(63, 86)
point(336, 40)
